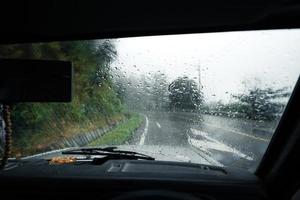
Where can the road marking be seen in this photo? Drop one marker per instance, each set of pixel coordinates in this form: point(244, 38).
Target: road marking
point(238, 132)
point(158, 125)
point(211, 143)
point(206, 155)
point(143, 136)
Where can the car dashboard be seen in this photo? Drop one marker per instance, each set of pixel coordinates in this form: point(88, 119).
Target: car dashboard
point(127, 179)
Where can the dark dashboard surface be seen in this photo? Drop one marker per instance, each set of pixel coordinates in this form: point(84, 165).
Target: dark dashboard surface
point(118, 177)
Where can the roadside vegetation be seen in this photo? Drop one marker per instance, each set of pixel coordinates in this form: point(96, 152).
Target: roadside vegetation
point(95, 103)
point(121, 133)
point(155, 93)
point(254, 104)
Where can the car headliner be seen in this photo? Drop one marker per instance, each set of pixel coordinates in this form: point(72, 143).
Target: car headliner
point(36, 21)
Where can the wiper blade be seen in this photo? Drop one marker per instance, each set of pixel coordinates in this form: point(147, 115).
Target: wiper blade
point(108, 153)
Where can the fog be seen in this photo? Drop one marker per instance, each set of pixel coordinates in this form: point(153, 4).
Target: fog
point(229, 62)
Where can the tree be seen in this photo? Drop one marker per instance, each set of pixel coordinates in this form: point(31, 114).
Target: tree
point(143, 92)
point(184, 94)
point(262, 104)
point(94, 96)
point(159, 90)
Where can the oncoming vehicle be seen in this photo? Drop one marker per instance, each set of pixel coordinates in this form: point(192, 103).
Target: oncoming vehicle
point(150, 115)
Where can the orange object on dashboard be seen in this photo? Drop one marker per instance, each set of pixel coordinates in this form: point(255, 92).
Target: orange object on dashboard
point(62, 160)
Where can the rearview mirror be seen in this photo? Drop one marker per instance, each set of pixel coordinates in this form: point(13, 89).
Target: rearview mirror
point(35, 81)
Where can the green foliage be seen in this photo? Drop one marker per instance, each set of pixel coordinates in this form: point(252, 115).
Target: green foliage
point(159, 91)
point(93, 96)
point(261, 104)
point(120, 134)
point(256, 104)
point(184, 94)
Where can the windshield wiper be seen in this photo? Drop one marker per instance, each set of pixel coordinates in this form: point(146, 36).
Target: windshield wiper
point(108, 153)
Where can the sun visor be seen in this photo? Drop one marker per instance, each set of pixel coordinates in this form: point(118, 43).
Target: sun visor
point(35, 81)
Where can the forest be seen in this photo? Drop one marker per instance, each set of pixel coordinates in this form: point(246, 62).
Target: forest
point(95, 103)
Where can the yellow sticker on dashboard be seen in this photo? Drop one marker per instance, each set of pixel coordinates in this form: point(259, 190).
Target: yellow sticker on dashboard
point(62, 160)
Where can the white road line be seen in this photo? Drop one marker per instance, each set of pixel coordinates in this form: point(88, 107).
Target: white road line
point(205, 154)
point(143, 136)
point(158, 125)
point(211, 143)
point(238, 132)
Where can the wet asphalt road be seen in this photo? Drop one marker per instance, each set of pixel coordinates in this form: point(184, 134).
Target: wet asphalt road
point(231, 142)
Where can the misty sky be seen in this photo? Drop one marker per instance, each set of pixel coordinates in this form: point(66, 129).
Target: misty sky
point(226, 60)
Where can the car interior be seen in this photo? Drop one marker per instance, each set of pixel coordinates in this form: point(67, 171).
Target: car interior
point(277, 176)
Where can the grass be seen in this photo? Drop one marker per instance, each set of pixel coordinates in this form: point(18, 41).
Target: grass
point(32, 143)
point(120, 134)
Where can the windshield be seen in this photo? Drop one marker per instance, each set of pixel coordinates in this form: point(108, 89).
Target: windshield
point(213, 98)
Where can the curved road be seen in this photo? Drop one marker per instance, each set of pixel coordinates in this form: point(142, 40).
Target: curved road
point(232, 142)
